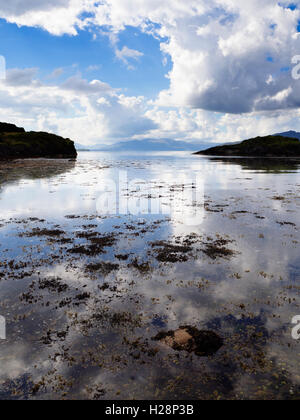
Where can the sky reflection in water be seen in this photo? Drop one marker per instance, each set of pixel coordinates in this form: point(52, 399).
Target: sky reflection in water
point(88, 335)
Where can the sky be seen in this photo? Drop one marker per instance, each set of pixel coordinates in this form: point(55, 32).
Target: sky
point(116, 70)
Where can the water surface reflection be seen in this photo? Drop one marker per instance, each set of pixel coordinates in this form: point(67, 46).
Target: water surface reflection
point(84, 293)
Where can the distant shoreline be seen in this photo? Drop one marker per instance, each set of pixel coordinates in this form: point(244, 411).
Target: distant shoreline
point(259, 147)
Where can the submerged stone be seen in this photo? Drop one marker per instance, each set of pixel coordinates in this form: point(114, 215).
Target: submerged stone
point(190, 339)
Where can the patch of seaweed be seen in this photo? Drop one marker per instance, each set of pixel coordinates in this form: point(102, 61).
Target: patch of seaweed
point(218, 249)
point(53, 284)
point(167, 252)
point(43, 232)
point(104, 268)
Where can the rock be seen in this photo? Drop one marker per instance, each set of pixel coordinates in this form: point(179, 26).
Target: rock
point(190, 339)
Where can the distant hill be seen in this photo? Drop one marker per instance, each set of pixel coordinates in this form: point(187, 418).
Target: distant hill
point(290, 134)
point(80, 147)
point(146, 145)
point(16, 143)
point(10, 128)
point(270, 146)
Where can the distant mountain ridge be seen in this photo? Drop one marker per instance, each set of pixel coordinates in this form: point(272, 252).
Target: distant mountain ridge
point(165, 145)
point(148, 145)
point(80, 147)
point(290, 134)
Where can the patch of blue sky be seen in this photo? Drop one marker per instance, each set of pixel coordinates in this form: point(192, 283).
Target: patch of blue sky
point(93, 58)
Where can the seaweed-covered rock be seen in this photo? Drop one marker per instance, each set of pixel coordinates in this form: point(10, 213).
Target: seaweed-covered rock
point(190, 339)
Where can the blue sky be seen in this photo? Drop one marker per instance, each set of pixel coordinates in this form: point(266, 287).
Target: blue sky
point(131, 69)
point(93, 58)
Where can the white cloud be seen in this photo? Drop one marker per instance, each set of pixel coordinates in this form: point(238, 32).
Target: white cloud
point(56, 73)
point(93, 68)
point(55, 16)
point(21, 77)
point(219, 50)
point(131, 101)
point(19, 7)
point(125, 54)
point(94, 112)
point(88, 112)
point(228, 58)
point(79, 85)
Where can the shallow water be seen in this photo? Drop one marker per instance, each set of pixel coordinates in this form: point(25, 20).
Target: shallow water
point(84, 292)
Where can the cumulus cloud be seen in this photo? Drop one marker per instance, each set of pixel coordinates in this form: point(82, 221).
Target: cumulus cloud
point(228, 58)
point(203, 126)
point(89, 112)
point(94, 112)
point(224, 52)
point(55, 16)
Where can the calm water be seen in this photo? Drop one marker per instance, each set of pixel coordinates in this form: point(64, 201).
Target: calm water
point(84, 292)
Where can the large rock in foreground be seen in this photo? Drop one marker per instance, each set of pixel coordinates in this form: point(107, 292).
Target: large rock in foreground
point(270, 146)
point(191, 340)
point(20, 145)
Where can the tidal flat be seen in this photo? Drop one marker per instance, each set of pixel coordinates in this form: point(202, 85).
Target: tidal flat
point(87, 296)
